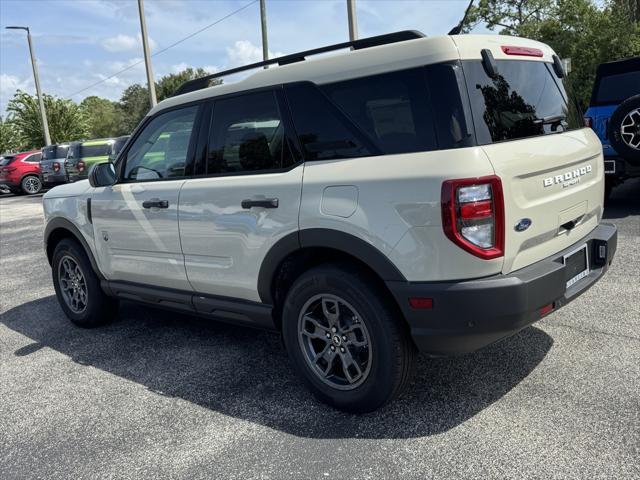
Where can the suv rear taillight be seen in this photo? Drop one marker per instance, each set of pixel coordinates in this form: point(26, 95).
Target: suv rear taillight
point(588, 122)
point(56, 167)
point(80, 166)
point(473, 215)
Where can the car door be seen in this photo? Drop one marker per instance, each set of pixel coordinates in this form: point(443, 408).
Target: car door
point(247, 199)
point(136, 220)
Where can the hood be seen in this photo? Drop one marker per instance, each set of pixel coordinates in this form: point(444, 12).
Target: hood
point(68, 190)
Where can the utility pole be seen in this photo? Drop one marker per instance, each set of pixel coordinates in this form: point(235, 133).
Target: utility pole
point(147, 56)
point(263, 22)
point(353, 21)
point(36, 78)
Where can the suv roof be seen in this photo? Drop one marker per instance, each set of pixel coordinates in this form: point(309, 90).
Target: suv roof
point(373, 57)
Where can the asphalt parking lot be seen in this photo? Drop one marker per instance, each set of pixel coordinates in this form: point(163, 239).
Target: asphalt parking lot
point(163, 395)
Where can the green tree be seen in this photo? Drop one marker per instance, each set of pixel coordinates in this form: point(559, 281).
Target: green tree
point(132, 107)
point(66, 119)
point(169, 84)
point(8, 136)
point(586, 31)
point(102, 117)
point(134, 103)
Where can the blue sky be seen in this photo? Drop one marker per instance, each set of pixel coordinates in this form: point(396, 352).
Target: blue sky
point(79, 42)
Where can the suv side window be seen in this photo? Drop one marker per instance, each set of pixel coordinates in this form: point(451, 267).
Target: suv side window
point(160, 151)
point(248, 135)
point(325, 133)
point(35, 158)
point(393, 109)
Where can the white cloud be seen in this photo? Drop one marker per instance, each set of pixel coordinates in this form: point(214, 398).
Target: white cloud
point(123, 43)
point(8, 86)
point(244, 52)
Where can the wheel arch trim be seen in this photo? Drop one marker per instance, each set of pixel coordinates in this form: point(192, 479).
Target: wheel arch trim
point(60, 223)
point(323, 238)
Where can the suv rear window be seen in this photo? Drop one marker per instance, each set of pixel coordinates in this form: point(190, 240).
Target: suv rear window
point(614, 89)
point(525, 99)
point(54, 151)
point(4, 161)
point(87, 151)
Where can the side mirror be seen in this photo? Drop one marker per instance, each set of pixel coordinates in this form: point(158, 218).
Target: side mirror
point(102, 175)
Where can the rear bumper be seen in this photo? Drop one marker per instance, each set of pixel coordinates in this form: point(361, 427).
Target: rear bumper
point(468, 315)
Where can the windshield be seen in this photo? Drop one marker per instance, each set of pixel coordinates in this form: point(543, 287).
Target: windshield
point(53, 152)
point(525, 99)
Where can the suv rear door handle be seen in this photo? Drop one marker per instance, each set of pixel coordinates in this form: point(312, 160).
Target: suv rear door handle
point(264, 203)
point(155, 202)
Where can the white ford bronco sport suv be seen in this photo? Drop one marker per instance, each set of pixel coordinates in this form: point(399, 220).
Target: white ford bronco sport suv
point(411, 194)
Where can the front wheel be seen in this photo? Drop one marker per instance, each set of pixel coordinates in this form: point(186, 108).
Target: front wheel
point(78, 287)
point(346, 339)
point(31, 185)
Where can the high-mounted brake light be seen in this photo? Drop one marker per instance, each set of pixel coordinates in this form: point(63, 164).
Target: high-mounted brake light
point(523, 51)
point(473, 215)
point(56, 167)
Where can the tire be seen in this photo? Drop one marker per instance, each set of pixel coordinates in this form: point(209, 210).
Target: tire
point(624, 130)
point(374, 337)
point(94, 307)
point(31, 185)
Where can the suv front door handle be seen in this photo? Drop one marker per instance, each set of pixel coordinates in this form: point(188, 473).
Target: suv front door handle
point(264, 203)
point(155, 203)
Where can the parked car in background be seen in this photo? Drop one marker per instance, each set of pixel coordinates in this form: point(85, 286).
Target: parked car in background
point(83, 155)
point(52, 165)
point(21, 172)
point(614, 114)
point(117, 146)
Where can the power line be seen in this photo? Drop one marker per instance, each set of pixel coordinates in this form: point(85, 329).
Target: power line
point(165, 48)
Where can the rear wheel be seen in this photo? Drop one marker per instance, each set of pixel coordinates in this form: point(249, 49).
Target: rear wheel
point(78, 287)
point(346, 339)
point(31, 185)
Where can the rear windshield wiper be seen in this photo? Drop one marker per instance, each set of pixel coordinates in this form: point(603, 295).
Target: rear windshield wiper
point(553, 120)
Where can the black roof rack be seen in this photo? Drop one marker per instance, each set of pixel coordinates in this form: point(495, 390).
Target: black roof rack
point(203, 82)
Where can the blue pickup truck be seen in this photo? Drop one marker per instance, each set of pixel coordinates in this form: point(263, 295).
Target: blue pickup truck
point(614, 114)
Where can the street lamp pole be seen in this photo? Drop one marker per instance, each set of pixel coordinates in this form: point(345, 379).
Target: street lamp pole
point(353, 21)
point(147, 56)
point(36, 78)
point(263, 24)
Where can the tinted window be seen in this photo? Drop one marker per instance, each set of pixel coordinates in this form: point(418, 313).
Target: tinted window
point(247, 134)
point(4, 161)
point(35, 158)
point(617, 88)
point(447, 87)
point(523, 100)
point(324, 131)
point(86, 151)
point(54, 151)
point(160, 151)
point(393, 109)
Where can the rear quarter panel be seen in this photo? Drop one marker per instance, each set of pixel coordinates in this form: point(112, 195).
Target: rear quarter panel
point(393, 203)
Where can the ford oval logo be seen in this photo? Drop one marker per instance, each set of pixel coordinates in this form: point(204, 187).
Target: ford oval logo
point(523, 224)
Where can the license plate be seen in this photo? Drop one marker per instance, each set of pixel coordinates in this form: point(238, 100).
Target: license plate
point(576, 265)
point(609, 166)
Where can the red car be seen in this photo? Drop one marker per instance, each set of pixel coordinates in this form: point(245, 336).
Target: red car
point(20, 172)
